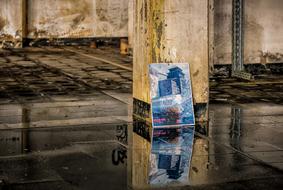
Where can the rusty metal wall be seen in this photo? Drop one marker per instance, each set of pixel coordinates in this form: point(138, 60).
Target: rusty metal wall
point(83, 18)
point(263, 29)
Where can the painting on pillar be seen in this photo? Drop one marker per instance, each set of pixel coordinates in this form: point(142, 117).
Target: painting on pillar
point(171, 95)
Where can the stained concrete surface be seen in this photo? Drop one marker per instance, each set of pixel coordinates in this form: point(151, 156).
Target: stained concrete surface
point(59, 102)
point(262, 24)
point(46, 73)
point(11, 23)
point(264, 89)
point(68, 18)
point(35, 19)
point(43, 87)
point(79, 137)
point(77, 162)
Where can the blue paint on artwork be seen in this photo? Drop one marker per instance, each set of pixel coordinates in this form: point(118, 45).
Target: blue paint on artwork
point(173, 84)
point(171, 95)
point(171, 155)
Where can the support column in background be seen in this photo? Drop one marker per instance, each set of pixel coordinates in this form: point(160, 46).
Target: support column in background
point(24, 20)
point(238, 36)
point(131, 24)
point(211, 24)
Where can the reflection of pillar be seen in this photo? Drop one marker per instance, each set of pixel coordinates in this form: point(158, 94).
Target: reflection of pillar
point(25, 132)
point(140, 144)
point(129, 156)
point(140, 161)
point(236, 127)
point(200, 156)
point(199, 163)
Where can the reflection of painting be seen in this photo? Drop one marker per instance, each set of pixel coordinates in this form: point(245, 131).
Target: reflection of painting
point(171, 95)
point(170, 155)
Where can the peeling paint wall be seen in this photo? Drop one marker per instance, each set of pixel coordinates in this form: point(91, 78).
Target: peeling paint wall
point(77, 18)
point(263, 31)
point(10, 23)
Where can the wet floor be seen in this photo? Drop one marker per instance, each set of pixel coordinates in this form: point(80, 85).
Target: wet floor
point(242, 149)
point(100, 156)
point(76, 133)
point(50, 74)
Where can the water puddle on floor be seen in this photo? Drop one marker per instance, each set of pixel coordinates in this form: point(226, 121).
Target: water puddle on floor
point(241, 143)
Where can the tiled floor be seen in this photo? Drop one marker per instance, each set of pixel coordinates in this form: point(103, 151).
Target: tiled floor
point(52, 102)
point(64, 125)
point(253, 129)
point(84, 157)
point(44, 74)
point(265, 88)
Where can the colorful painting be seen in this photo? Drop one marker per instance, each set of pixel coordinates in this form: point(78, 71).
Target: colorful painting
point(171, 95)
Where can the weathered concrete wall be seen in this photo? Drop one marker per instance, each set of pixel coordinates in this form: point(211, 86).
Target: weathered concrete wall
point(263, 29)
point(186, 40)
point(77, 18)
point(11, 23)
point(61, 19)
point(222, 31)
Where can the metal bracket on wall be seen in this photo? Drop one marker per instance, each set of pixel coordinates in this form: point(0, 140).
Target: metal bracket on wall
point(238, 41)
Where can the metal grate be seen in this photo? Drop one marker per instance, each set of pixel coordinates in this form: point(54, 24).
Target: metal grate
point(238, 36)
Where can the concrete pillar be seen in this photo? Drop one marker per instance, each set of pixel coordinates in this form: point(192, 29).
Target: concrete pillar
point(24, 23)
point(130, 23)
point(166, 31)
point(172, 31)
point(211, 35)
